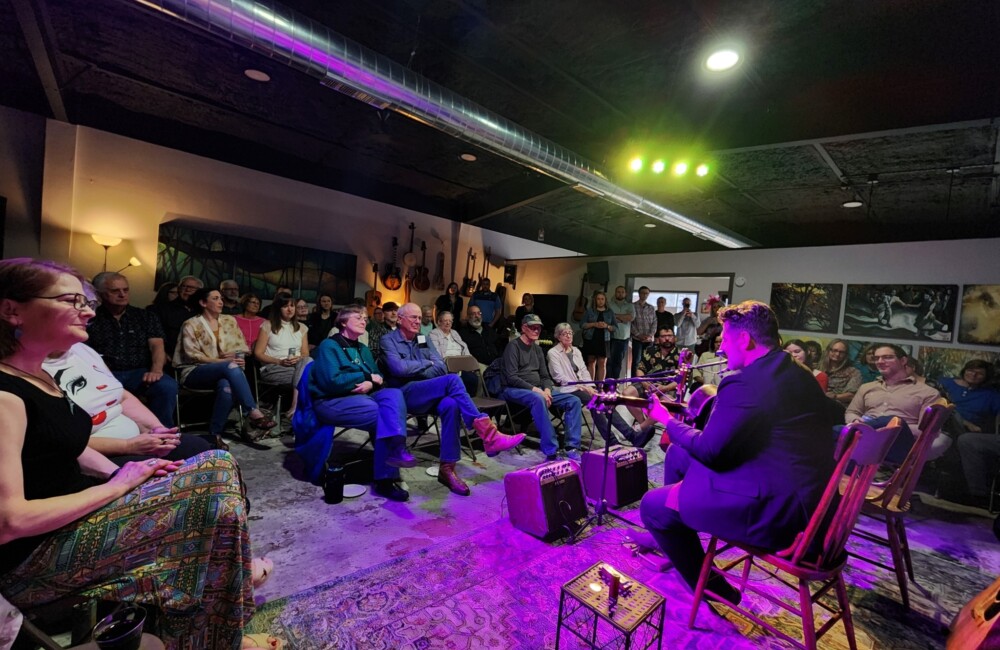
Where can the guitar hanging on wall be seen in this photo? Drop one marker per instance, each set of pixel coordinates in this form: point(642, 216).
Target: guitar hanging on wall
point(373, 297)
point(393, 279)
point(468, 288)
point(580, 309)
point(422, 278)
point(439, 271)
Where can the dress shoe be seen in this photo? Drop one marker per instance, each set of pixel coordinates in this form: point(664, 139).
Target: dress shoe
point(493, 441)
point(390, 489)
point(399, 455)
point(448, 478)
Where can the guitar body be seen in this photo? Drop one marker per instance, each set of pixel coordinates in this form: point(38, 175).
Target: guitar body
point(580, 308)
point(467, 288)
point(422, 277)
point(974, 629)
point(439, 272)
point(394, 275)
point(373, 297)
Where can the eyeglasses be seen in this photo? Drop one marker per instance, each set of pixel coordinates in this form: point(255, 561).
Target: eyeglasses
point(533, 328)
point(80, 301)
point(186, 287)
point(886, 357)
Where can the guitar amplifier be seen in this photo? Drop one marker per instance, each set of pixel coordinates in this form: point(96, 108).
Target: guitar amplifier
point(544, 498)
point(625, 471)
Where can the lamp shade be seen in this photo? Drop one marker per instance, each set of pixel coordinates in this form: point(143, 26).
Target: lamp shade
point(106, 240)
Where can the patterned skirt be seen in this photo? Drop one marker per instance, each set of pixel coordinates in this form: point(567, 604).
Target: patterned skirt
point(178, 543)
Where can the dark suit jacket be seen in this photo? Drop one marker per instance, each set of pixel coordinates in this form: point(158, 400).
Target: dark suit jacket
point(759, 468)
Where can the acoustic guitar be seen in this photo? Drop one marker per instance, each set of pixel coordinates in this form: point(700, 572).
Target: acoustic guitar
point(394, 275)
point(468, 288)
point(694, 412)
point(422, 277)
point(373, 297)
point(439, 271)
point(974, 628)
point(580, 308)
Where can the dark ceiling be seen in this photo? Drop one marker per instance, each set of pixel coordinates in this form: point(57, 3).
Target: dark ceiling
point(918, 80)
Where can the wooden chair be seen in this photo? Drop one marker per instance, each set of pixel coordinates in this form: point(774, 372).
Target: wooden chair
point(890, 501)
point(817, 555)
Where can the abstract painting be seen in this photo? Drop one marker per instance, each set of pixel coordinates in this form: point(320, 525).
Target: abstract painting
point(980, 322)
point(807, 307)
point(921, 312)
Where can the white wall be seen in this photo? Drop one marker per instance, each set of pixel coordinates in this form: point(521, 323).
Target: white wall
point(22, 145)
point(96, 182)
point(967, 261)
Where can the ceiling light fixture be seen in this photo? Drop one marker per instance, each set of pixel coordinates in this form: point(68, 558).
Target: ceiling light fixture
point(468, 157)
point(659, 166)
point(257, 75)
point(680, 169)
point(701, 170)
point(854, 203)
point(722, 60)
point(635, 164)
point(649, 225)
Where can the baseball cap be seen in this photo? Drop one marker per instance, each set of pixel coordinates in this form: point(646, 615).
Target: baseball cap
point(531, 319)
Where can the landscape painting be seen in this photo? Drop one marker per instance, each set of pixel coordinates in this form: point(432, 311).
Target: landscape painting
point(921, 312)
point(807, 307)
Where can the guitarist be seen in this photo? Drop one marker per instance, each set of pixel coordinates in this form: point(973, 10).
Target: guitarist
point(488, 302)
point(661, 358)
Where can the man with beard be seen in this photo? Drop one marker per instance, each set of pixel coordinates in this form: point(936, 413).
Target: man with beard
point(622, 333)
point(661, 359)
point(416, 368)
point(480, 337)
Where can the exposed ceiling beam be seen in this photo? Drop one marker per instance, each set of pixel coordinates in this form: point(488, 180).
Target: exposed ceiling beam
point(35, 31)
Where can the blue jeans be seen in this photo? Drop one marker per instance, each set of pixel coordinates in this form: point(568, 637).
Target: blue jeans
point(616, 356)
point(601, 419)
point(230, 384)
point(638, 348)
point(382, 414)
point(162, 394)
point(565, 403)
point(446, 396)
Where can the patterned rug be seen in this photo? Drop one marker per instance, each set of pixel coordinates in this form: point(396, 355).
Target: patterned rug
point(499, 588)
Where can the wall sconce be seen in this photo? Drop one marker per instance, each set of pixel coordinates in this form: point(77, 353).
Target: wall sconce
point(133, 261)
point(107, 242)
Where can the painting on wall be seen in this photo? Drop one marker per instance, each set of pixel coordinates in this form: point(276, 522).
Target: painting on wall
point(922, 312)
point(980, 321)
point(948, 362)
point(807, 307)
point(257, 266)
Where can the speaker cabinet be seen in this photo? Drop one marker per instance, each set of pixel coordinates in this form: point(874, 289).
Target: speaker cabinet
point(625, 472)
point(547, 499)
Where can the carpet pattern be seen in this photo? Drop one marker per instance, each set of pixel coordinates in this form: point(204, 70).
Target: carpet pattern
point(497, 587)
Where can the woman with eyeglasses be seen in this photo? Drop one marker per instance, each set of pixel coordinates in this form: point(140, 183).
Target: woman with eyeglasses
point(63, 501)
point(843, 379)
point(249, 321)
point(210, 354)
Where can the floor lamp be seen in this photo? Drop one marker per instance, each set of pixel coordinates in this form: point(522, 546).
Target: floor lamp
point(107, 242)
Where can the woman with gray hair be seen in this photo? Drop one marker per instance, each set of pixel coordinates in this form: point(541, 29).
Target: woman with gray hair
point(566, 366)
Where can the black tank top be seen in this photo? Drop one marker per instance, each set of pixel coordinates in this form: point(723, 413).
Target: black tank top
point(57, 433)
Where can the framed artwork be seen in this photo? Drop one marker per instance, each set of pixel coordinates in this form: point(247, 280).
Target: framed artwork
point(807, 307)
point(948, 362)
point(916, 312)
point(980, 320)
point(257, 266)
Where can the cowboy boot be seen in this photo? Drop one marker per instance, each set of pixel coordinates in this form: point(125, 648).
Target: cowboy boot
point(448, 478)
point(493, 441)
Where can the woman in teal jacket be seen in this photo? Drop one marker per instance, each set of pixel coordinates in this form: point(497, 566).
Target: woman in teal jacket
point(346, 390)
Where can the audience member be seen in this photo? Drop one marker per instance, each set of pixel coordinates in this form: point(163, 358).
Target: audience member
point(712, 375)
point(426, 319)
point(210, 355)
point(687, 325)
point(59, 492)
point(131, 341)
point(661, 361)
point(975, 400)
point(166, 293)
point(624, 314)
point(450, 301)
point(895, 394)
point(796, 348)
point(377, 329)
point(814, 354)
point(249, 322)
point(173, 314)
point(347, 390)
point(843, 379)
point(449, 343)
point(480, 337)
point(598, 323)
point(230, 291)
point(526, 381)
point(866, 364)
point(282, 348)
point(566, 366)
point(266, 311)
point(643, 327)
point(758, 469)
point(709, 327)
point(321, 320)
point(302, 310)
point(488, 302)
point(664, 318)
point(418, 370)
point(526, 307)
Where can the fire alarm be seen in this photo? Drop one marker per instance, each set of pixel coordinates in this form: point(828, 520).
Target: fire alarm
point(740, 281)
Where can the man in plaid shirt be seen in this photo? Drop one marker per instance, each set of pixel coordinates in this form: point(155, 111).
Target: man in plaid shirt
point(643, 327)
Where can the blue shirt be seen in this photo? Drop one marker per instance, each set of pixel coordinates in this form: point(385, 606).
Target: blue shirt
point(488, 302)
point(405, 361)
point(976, 405)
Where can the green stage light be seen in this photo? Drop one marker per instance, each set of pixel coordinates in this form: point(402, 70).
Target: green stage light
point(680, 169)
point(701, 170)
point(635, 164)
point(659, 166)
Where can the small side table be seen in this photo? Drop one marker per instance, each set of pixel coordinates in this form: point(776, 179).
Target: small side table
point(584, 610)
point(149, 642)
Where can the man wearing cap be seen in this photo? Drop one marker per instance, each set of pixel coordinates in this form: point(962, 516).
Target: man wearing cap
point(526, 381)
point(415, 367)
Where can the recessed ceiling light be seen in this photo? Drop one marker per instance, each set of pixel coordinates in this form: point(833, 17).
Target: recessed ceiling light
point(468, 157)
point(257, 75)
point(650, 225)
point(852, 204)
point(722, 60)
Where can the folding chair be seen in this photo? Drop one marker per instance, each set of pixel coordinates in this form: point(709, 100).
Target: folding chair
point(489, 405)
point(266, 392)
point(817, 555)
point(889, 502)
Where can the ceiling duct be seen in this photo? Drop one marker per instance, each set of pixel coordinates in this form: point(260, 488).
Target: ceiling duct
point(304, 44)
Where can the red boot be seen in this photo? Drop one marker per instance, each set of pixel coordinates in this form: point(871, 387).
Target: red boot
point(448, 478)
point(493, 440)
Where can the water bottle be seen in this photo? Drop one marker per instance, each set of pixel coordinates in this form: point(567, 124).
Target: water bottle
point(333, 484)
